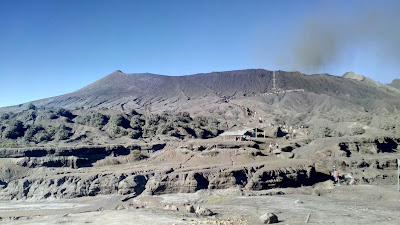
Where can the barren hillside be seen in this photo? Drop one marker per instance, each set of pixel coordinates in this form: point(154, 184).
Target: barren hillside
point(136, 140)
point(200, 93)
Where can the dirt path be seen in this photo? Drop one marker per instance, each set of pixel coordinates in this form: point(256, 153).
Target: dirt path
point(362, 204)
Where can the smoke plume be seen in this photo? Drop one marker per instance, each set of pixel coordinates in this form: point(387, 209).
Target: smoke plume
point(328, 36)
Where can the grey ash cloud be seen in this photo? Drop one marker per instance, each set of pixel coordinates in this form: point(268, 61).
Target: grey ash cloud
point(329, 35)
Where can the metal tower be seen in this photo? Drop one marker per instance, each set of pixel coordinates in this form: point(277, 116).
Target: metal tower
point(273, 81)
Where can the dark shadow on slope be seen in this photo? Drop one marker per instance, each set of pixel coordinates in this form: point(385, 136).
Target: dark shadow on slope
point(344, 147)
point(3, 184)
point(320, 177)
point(158, 147)
point(280, 133)
point(389, 145)
point(202, 183)
point(240, 177)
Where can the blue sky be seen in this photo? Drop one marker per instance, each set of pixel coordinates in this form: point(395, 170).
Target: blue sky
point(53, 47)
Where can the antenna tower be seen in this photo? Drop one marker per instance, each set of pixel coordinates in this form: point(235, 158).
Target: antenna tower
point(273, 81)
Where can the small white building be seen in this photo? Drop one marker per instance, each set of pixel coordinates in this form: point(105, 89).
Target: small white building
point(258, 129)
point(238, 133)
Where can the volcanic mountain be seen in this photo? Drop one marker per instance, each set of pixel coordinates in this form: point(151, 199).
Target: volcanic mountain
point(124, 134)
point(233, 94)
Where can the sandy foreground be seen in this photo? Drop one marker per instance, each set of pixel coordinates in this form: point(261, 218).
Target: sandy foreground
point(323, 203)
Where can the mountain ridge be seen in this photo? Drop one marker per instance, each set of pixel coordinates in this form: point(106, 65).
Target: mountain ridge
point(395, 83)
point(226, 92)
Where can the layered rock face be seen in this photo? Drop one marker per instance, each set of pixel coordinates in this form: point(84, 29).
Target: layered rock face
point(73, 157)
point(250, 178)
point(372, 160)
point(70, 186)
point(79, 182)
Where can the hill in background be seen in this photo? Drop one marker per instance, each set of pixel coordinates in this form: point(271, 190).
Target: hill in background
point(203, 92)
point(235, 99)
point(395, 83)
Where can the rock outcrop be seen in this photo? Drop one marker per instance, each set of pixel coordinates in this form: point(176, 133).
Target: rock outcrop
point(269, 218)
point(201, 211)
point(72, 186)
point(352, 75)
point(155, 182)
point(190, 209)
point(250, 178)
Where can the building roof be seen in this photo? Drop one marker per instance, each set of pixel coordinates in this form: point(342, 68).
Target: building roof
point(236, 133)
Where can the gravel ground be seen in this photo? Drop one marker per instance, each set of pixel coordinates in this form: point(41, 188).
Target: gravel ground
point(326, 204)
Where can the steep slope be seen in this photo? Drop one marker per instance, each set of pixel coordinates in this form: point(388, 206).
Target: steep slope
point(227, 94)
point(350, 123)
point(395, 83)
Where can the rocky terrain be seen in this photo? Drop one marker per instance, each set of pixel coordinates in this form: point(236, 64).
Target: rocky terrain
point(395, 83)
point(151, 145)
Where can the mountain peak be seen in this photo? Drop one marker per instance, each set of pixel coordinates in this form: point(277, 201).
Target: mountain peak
point(395, 83)
point(352, 75)
point(220, 93)
point(359, 77)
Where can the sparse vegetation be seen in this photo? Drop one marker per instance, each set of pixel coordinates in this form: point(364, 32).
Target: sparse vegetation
point(31, 106)
point(119, 120)
point(118, 126)
point(180, 125)
point(42, 136)
point(63, 132)
point(5, 116)
point(134, 134)
point(137, 122)
point(31, 132)
point(14, 130)
point(33, 127)
point(64, 112)
point(94, 119)
point(108, 161)
point(356, 130)
point(8, 143)
point(116, 131)
point(29, 115)
point(134, 156)
point(321, 132)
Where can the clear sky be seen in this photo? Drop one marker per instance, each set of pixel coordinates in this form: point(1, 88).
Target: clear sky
point(54, 47)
